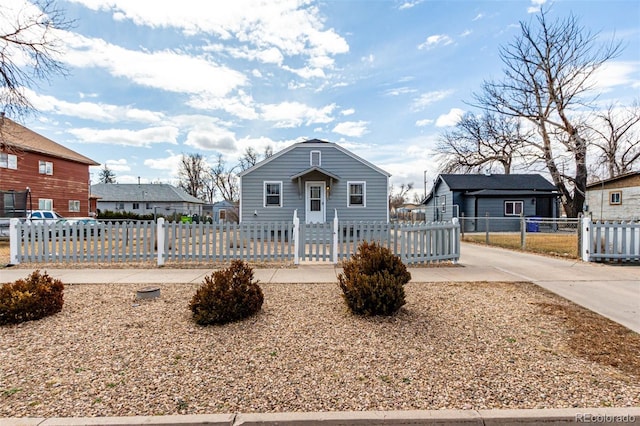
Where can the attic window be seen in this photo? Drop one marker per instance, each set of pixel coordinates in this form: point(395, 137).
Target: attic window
point(315, 158)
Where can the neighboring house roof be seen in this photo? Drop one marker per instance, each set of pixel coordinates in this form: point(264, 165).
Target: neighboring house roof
point(146, 192)
point(600, 183)
point(30, 141)
point(494, 185)
point(319, 143)
point(509, 182)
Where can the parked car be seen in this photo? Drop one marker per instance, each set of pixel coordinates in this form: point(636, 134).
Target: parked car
point(43, 216)
point(90, 225)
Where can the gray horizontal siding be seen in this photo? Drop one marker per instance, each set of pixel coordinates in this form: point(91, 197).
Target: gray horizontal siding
point(297, 160)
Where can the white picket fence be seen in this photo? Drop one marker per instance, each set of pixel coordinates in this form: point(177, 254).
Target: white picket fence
point(610, 241)
point(287, 241)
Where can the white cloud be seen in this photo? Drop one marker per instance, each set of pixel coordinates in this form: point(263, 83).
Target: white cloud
point(409, 4)
point(399, 91)
point(478, 17)
point(535, 6)
point(168, 70)
point(170, 163)
point(92, 111)
point(125, 137)
point(451, 118)
point(436, 40)
point(429, 98)
point(120, 165)
point(424, 122)
point(465, 33)
point(349, 111)
point(266, 31)
point(353, 129)
point(212, 139)
point(616, 73)
point(293, 114)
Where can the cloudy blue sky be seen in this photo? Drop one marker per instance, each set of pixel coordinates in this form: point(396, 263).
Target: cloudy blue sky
point(150, 80)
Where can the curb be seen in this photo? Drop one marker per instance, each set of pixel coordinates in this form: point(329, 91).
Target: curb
point(628, 416)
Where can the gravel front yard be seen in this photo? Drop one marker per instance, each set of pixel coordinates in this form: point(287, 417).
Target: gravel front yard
point(455, 345)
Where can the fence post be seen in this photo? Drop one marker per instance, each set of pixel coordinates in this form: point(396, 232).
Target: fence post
point(296, 238)
point(486, 228)
point(335, 238)
point(523, 233)
point(585, 237)
point(160, 236)
point(13, 241)
point(455, 239)
point(462, 224)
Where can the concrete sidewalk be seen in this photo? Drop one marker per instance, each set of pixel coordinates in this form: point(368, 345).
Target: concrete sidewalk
point(612, 291)
point(561, 416)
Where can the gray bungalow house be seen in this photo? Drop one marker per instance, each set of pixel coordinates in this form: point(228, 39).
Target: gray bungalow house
point(318, 179)
point(147, 198)
point(496, 196)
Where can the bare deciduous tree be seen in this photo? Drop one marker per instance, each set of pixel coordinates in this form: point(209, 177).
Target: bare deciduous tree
point(30, 45)
point(615, 135)
point(548, 75)
point(399, 197)
point(192, 174)
point(225, 180)
point(478, 143)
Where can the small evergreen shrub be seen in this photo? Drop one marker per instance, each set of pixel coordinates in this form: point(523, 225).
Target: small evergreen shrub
point(29, 299)
point(373, 281)
point(227, 295)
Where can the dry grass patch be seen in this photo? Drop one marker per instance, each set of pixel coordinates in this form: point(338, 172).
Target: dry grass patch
point(453, 345)
point(564, 245)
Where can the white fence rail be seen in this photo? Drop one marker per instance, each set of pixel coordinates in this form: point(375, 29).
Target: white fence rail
point(135, 241)
point(610, 241)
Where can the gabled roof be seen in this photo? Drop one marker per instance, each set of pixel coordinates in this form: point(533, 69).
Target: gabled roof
point(313, 142)
point(613, 179)
point(315, 169)
point(28, 140)
point(494, 185)
point(146, 192)
point(501, 182)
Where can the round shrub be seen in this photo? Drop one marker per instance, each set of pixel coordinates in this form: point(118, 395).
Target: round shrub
point(373, 281)
point(29, 299)
point(227, 295)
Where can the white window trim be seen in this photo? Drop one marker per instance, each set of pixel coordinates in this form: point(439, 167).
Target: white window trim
point(611, 194)
point(364, 194)
point(45, 204)
point(514, 202)
point(73, 204)
point(319, 158)
point(8, 161)
point(264, 193)
point(48, 167)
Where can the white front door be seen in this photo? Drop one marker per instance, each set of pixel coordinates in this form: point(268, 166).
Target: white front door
point(315, 202)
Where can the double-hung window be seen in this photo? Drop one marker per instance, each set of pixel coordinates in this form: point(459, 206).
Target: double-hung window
point(513, 208)
point(74, 205)
point(45, 167)
point(272, 194)
point(315, 158)
point(357, 194)
point(615, 197)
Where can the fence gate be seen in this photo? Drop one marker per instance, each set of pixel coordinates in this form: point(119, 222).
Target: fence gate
point(316, 242)
point(610, 241)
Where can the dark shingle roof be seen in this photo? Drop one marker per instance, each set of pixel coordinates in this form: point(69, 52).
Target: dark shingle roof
point(146, 192)
point(497, 182)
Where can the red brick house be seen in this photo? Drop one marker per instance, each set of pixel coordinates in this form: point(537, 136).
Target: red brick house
point(58, 178)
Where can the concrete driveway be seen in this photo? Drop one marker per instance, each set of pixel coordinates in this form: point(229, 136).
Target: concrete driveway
point(612, 291)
